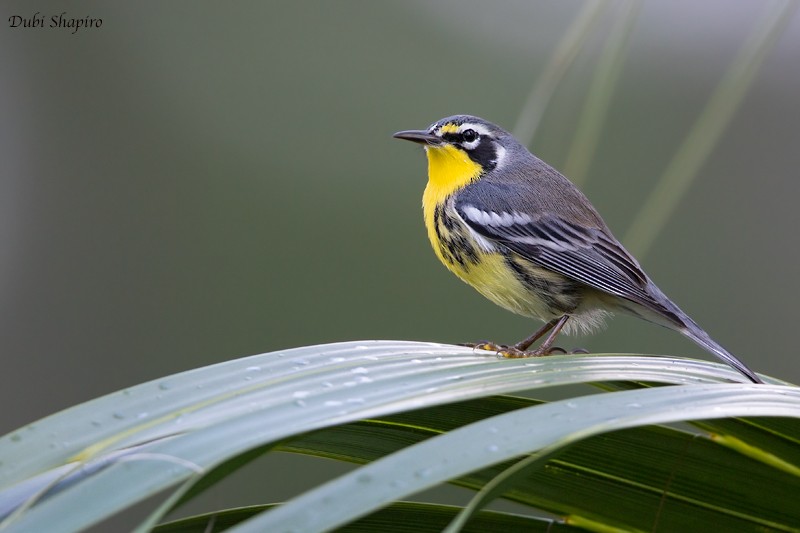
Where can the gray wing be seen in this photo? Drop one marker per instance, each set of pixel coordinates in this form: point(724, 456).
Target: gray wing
point(585, 254)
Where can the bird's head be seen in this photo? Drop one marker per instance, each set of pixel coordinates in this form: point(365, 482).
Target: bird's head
point(460, 148)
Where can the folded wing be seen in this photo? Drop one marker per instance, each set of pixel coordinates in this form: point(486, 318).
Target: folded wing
point(585, 254)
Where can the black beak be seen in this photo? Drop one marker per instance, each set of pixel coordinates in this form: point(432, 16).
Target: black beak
point(418, 136)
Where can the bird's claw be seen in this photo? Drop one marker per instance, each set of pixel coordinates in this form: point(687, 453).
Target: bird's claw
point(510, 352)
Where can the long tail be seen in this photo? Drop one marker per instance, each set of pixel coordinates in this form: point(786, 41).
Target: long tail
point(696, 333)
point(662, 311)
point(671, 316)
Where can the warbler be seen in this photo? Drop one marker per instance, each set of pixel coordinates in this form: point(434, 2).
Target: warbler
point(525, 237)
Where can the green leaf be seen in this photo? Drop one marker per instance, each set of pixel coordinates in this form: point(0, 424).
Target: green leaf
point(133, 444)
point(543, 429)
point(619, 473)
point(400, 517)
point(775, 441)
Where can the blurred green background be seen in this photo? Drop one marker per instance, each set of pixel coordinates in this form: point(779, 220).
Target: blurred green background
point(199, 181)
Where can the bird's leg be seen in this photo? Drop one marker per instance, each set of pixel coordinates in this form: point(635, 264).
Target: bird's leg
point(524, 344)
point(544, 348)
point(518, 350)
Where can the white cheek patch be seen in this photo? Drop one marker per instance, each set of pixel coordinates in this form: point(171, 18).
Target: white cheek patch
point(500, 156)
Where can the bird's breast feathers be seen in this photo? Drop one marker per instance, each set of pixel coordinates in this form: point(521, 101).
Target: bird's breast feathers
point(497, 273)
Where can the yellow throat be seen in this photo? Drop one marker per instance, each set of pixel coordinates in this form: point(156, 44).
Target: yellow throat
point(449, 169)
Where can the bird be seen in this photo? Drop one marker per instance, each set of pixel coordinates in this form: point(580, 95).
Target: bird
point(526, 238)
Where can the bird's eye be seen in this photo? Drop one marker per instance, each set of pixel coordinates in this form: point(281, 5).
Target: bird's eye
point(469, 135)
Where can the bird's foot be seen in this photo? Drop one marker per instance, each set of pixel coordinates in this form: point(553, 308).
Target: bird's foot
point(511, 352)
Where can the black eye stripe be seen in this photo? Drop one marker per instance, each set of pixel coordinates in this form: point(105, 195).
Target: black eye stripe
point(452, 137)
point(480, 147)
point(466, 136)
